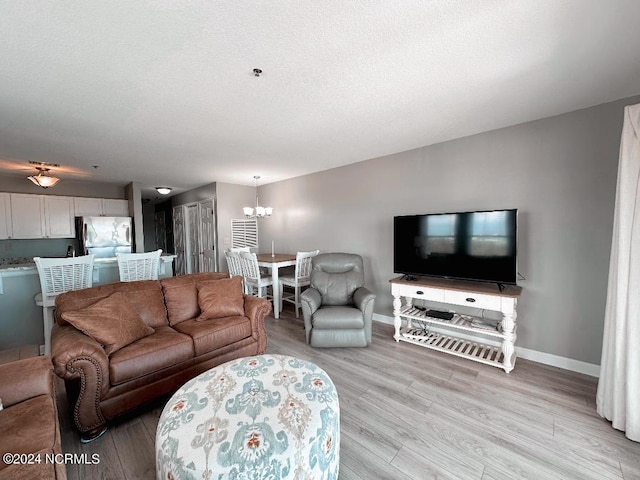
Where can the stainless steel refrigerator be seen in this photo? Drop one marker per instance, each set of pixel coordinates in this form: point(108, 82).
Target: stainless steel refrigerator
point(104, 236)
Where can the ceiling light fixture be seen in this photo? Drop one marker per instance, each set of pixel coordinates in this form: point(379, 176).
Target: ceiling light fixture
point(43, 179)
point(258, 211)
point(163, 190)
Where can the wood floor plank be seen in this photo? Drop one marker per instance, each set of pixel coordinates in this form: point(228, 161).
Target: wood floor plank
point(135, 448)
point(356, 456)
point(410, 413)
point(421, 465)
point(605, 441)
point(559, 458)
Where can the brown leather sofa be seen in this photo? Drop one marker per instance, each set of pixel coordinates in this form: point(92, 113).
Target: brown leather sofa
point(29, 421)
point(101, 386)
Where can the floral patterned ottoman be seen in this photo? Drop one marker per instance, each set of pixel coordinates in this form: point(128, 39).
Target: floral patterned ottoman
point(268, 416)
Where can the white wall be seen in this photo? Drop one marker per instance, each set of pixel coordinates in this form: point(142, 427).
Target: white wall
point(559, 172)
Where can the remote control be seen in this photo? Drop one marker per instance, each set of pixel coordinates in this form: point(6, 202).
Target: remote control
point(439, 314)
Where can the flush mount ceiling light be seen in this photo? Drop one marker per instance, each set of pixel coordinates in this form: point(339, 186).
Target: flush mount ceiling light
point(44, 179)
point(163, 190)
point(258, 211)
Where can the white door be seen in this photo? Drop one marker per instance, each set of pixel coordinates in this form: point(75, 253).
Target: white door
point(192, 247)
point(178, 239)
point(208, 260)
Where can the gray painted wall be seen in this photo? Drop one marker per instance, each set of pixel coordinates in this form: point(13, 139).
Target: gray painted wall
point(134, 195)
point(201, 193)
point(230, 200)
point(560, 173)
point(149, 227)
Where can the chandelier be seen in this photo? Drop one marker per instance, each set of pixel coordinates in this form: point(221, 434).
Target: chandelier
point(257, 211)
point(43, 179)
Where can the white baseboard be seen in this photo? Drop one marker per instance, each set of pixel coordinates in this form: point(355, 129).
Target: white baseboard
point(533, 355)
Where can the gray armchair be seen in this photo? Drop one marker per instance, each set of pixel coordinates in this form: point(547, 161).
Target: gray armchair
point(337, 308)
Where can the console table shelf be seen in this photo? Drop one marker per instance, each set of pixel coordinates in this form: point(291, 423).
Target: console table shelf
point(413, 325)
point(459, 347)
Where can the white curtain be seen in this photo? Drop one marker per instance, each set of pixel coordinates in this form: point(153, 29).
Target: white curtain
point(618, 398)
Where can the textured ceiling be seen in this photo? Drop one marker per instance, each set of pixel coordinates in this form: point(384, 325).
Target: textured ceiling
point(163, 92)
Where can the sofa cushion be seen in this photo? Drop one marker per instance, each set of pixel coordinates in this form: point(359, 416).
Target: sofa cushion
point(163, 349)
point(220, 298)
point(145, 295)
point(181, 295)
point(338, 317)
point(112, 322)
point(28, 427)
point(209, 335)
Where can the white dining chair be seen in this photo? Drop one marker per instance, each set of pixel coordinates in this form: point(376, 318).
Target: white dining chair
point(234, 265)
point(300, 279)
point(59, 275)
point(138, 266)
point(254, 281)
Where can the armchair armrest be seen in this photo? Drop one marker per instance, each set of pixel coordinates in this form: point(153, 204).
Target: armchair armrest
point(310, 300)
point(25, 379)
point(256, 309)
point(364, 299)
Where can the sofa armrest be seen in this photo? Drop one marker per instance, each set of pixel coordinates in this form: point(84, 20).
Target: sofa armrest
point(78, 357)
point(25, 379)
point(69, 347)
point(256, 309)
point(364, 299)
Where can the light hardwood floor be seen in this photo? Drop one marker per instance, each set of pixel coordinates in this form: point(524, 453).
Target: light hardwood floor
point(411, 413)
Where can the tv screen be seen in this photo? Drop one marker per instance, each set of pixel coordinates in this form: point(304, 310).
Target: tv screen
point(467, 245)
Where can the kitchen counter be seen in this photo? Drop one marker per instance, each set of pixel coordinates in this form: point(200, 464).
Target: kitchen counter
point(21, 318)
point(31, 266)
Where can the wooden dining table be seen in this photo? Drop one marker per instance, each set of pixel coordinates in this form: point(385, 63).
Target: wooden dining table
point(274, 262)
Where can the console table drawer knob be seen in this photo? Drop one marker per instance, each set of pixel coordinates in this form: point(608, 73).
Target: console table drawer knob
point(419, 292)
point(470, 299)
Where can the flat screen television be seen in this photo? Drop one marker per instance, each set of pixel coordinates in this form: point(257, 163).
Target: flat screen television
point(477, 245)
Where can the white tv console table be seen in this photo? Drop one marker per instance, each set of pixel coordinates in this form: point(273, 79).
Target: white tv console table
point(413, 325)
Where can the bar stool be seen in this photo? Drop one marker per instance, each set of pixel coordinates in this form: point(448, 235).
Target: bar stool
point(138, 266)
point(59, 275)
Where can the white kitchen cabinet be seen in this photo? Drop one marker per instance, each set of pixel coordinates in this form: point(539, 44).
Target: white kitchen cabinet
point(100, 207)
point(27, 215)
point(87, 207)
point(59, 217)
point(6, 229)
point(42, 216)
